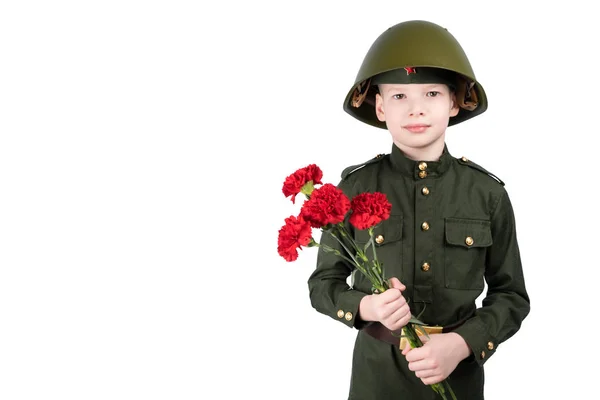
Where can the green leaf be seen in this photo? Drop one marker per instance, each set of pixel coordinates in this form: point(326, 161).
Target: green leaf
point(421, 313)
point(416, 321)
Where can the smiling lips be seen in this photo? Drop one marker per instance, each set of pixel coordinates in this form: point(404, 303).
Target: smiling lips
point(416, 128)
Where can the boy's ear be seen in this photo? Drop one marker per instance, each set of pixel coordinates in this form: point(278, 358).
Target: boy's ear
point(454, 106)
point(379, 111)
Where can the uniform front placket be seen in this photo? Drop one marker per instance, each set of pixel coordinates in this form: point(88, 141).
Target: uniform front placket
point(424, 234)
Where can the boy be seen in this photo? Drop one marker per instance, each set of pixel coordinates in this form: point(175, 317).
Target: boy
point(451, 226)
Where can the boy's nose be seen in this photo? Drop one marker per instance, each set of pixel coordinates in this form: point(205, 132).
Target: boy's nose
point(416, 108)
point(416, 111)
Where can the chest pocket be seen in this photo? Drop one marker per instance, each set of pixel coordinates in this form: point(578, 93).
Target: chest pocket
point(387, 237)
point(466, 245)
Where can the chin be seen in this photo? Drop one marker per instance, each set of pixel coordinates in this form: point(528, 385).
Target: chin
point(418, 144)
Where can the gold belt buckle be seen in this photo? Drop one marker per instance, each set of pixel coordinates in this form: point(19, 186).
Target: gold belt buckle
point(431, 330)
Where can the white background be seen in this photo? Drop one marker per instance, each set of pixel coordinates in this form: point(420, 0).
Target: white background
point(143, 146)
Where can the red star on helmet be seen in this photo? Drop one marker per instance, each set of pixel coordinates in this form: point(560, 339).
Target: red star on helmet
point(410, 70)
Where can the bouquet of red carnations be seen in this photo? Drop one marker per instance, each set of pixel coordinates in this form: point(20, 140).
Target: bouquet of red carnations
point(326, 208)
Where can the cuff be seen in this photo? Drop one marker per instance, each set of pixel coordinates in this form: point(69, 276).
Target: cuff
point(482, 344)
point(346, 309)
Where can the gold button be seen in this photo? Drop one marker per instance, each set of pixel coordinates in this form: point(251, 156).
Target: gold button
point(425, 226)
point(490, 346)
point(469, 241)
point(425, 267)
point(379, 156)
point(348, 316)
point(423, 166)
point(422, 174)
point(379, 239)
point(425, 191)
point(464, 159)
point(340, 313)
point(482, 354)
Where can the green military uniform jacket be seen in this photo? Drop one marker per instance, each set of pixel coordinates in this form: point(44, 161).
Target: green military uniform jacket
point(451, 226)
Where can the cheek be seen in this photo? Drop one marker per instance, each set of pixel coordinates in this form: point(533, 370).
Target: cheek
point(396, 109)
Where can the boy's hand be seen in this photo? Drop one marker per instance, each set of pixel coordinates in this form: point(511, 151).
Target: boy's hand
point(438, 357)
point(389, 308)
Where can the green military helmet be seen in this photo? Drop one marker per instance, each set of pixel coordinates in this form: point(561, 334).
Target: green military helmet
point(410, 47)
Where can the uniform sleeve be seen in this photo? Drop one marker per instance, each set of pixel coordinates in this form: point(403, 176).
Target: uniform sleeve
point(329, 291)
point(506, 303)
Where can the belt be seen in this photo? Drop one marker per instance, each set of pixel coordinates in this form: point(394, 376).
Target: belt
point(380, 332)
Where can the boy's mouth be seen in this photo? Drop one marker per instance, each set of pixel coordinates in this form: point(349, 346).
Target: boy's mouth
point(416, 128)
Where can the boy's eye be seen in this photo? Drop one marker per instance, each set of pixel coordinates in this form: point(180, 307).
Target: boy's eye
point(433, 93)
point(399, 96)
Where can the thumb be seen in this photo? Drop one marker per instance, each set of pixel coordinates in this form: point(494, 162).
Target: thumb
point(396, 284)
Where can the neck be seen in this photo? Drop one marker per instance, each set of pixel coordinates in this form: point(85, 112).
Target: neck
point(431, 152)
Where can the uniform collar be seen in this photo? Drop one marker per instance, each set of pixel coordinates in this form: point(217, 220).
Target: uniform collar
point(420, 169)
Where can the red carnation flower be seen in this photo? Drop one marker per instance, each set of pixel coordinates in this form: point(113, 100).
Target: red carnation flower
point(327, 205)
point(295, 182)
point(293, 235)
point(369, 209)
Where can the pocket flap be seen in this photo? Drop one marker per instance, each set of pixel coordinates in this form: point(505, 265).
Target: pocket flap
point(468, 232)
point(387, 231)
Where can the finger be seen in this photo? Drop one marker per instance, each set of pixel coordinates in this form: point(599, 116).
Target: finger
point(395, 283)
point(396, 303)
point(406, 319)
point(417, 366)
point(406, 349)
point(397, 324)
point(423, 365)
point(393, 312)
point(416, 355)
point(390, 295)
point(400, 311)
point(399, 318)
point(426, 373)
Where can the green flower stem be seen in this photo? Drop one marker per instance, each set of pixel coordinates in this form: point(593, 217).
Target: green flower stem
point(378, 277)
point(342, 229)
point(376, 266)
point(338, 253)
point(334, 251)
point(372, 274)
point(354, 261)
point(373, 246)
point(447, 384)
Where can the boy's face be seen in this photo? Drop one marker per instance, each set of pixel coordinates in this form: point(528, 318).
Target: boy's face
point(416, 114)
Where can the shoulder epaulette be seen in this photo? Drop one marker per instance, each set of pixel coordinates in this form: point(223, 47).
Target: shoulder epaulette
point(356, 167)
point(469, 163)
